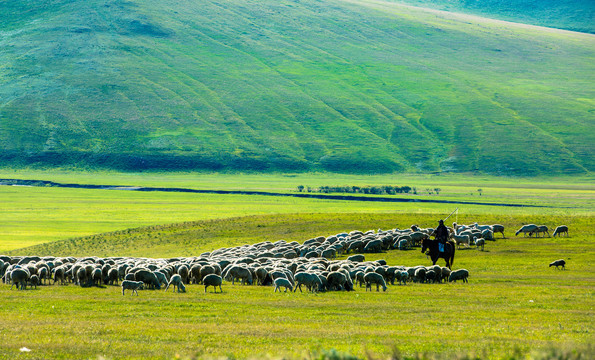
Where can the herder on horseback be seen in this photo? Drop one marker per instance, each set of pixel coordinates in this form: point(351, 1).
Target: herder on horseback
point(440, 247)
point(441, 235)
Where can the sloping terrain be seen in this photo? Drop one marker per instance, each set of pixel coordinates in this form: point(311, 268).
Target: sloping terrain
point(347, 86)
point(575, 15)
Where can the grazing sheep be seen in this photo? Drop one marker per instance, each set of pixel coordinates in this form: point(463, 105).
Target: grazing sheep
point(558, 263)
point(541, 229)
point(461, 239)
point(96, 276)
point(283, 282)
point(402, 244)
point(560, 230)
point(132, 285)
point(480, 243)
point(374, 246)
point(81, 277)
point(213, 280)
point(161, 277)
point(312, 281)
point(177, 282)
point(445, 273)
point(374, 278)
point(431, 276)
point(402, 276)
point(336, 281)
point(497, 228)
point(526, 229)
point(238, 272)
point(488, 235)
point(460, 274)
point(148, 278)
point(112, 277)
point(59, 274)
point(420, 275)
point(34, 281)
point(184, 272)
point(42, 273)
point(357, 258)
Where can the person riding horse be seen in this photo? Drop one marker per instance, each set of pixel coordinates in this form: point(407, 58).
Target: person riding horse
point(441, 235)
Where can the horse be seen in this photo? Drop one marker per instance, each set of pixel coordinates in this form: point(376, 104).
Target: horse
point(435, 254)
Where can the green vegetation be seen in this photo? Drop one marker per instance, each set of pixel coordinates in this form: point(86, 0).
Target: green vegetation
point(32, 215)
point(513, 305)
point(576, 15)
point(358, 86)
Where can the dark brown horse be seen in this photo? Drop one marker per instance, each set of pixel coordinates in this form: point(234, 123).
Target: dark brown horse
point(435, 254)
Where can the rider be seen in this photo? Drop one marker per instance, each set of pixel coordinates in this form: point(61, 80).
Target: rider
point(441, 235)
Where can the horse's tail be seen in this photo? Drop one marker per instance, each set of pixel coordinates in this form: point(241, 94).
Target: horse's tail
point(452, 257)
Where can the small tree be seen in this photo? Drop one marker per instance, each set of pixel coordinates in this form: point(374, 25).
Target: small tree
point(479, 191)
point(300, 188)
point(437, 190)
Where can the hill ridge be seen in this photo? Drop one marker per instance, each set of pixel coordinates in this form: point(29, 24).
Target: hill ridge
point(344, 86)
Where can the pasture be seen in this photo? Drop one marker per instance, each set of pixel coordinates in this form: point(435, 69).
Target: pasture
point(513, 305)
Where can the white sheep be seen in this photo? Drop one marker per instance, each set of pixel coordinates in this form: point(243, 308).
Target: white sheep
point(480, 243)
point(560, 229)
point(213, 280)
point(558, 263)
point(461, 239)
point(526, 229)
point(132, 285)
point(176, 281)
point(374, 278)
point(460, 274)
point(283, 282)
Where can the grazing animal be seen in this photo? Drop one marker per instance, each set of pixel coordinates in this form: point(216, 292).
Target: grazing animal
point(558, 263)
point(374, 278)
point(435, 254)
point(562, 229)
point(541, 229)
point(312, 281)
point(213, 280)
point(497, 228)
point(480, 243)
point(177, 282)
point(283, 282)
point(526, 229)
point(460, 274)
point(132, 285)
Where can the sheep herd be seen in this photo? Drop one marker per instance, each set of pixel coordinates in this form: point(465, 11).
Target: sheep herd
point(287, 266)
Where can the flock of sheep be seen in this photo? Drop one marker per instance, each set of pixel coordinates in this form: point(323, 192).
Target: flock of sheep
point(281, 264)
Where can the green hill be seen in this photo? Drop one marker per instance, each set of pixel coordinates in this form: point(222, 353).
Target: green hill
point(575, 15)
point(347, 86)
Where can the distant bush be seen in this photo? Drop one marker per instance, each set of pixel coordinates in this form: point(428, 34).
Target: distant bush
point(374, 190)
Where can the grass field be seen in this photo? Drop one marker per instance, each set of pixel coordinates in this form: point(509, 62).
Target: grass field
point(32, 215)
point(513, 304)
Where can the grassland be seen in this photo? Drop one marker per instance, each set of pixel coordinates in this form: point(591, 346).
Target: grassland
point(513, 304)
point(345, 86)
point(34, 215)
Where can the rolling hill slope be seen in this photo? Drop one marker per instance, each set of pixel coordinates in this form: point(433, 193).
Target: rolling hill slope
point(575, 15)
point(335, 85)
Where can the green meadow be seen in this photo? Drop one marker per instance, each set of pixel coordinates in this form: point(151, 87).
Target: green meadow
point(34, 215)
point(514, 306)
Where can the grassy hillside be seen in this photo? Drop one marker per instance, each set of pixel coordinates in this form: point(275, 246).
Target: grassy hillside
point(348, 86)
point(576, 15)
